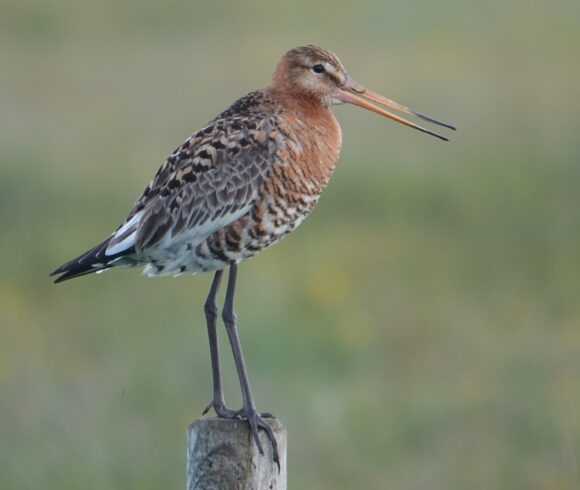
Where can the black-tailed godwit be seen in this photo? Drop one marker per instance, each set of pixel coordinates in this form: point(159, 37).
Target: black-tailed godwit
point(237, 186)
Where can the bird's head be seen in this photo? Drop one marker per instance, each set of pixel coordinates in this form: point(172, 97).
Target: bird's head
point(314, 73)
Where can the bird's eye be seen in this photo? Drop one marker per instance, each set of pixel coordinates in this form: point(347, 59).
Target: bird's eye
point(318, 69)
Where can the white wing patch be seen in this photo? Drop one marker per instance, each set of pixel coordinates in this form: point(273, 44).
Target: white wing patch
point(124, 237)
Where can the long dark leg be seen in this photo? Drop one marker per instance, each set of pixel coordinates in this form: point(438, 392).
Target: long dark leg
point(249, 411)
point(211, 311)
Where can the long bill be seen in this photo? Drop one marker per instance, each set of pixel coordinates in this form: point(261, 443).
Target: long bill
point(361, 96)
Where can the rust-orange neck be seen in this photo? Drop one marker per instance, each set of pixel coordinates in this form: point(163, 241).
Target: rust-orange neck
point(300, 103)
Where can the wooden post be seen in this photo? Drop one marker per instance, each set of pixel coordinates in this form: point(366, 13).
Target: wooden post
point(221, 455)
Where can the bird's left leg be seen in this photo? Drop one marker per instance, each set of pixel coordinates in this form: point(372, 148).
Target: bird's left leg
point(211, 311)
point(249, 409)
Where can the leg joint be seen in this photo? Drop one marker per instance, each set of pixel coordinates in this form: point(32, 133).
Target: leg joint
point(229, 317)
point(210, 308)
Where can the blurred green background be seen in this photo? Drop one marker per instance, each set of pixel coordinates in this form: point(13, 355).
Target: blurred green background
point(420, 331)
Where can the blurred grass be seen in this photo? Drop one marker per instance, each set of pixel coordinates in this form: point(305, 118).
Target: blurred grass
point(421, 329)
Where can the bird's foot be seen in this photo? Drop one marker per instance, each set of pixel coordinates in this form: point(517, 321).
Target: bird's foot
point(222, 411)
point(256, 422)
point(227, 413)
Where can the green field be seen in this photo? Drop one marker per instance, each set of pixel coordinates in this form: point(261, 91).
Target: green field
point(421, 330)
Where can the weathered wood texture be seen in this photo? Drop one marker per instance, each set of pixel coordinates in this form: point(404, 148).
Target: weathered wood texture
point(221, 455)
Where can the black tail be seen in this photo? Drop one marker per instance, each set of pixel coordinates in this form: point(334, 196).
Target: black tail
point(92, 261)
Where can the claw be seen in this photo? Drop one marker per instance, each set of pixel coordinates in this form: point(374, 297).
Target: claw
point(256, 422)
point(254, 431)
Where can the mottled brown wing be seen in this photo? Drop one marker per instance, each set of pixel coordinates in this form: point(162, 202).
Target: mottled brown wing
point(208, 182)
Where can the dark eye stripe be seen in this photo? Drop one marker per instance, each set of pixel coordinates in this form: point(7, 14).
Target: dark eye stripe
point(334, 77)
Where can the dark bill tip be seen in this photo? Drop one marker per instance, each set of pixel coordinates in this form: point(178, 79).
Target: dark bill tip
point(434, 134)
point(434, 121)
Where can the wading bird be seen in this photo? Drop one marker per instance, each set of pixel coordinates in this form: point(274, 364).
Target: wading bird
point(238, 185)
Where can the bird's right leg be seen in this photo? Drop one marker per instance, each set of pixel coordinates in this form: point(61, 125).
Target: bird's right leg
point(211, 312)
point(248, 411)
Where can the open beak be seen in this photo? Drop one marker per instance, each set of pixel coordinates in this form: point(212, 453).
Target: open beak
point(353, 93)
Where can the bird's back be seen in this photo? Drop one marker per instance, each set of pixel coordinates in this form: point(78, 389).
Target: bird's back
point(236, 186)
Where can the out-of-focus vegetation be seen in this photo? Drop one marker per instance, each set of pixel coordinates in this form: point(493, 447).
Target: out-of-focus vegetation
point(420, 331)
